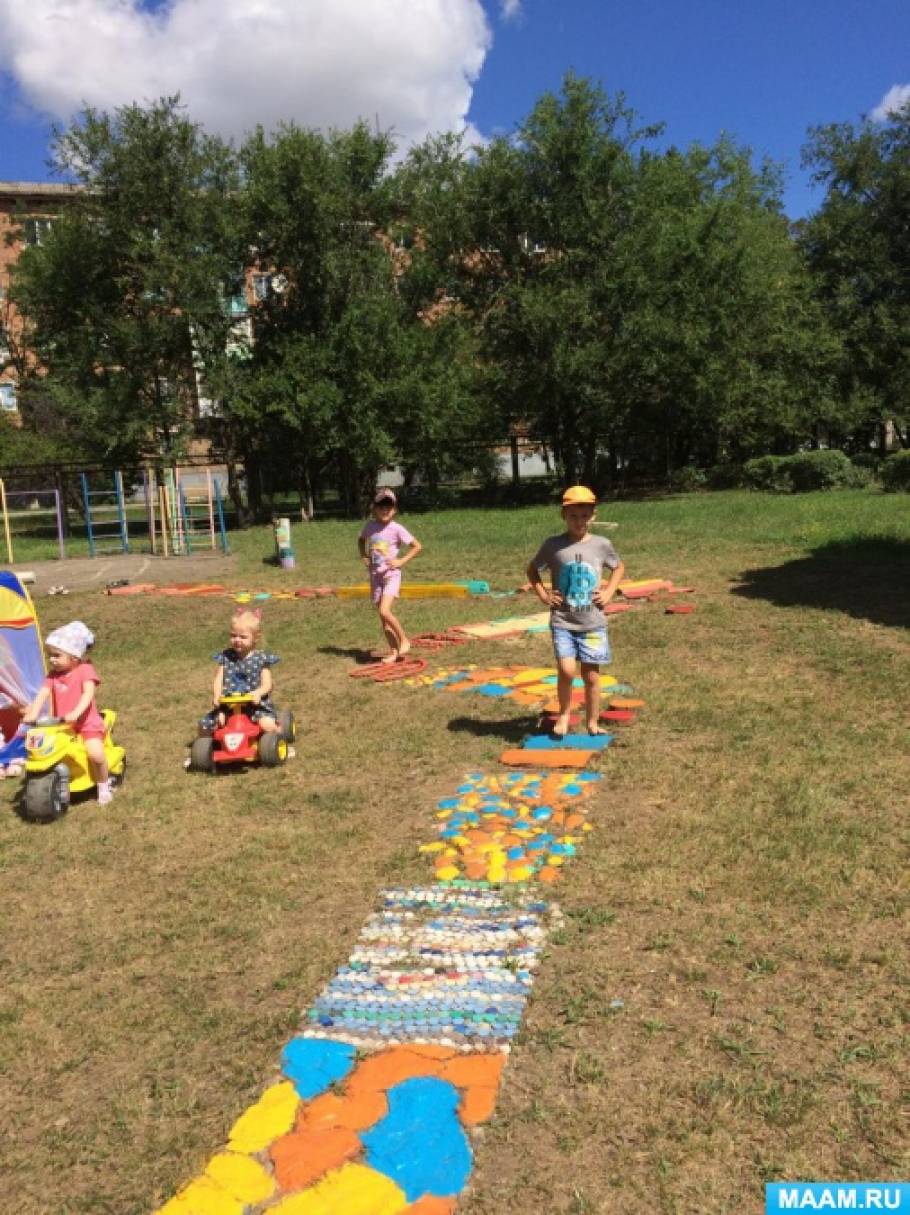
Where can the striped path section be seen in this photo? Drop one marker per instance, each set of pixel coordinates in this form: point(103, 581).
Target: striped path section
point(401, 1054)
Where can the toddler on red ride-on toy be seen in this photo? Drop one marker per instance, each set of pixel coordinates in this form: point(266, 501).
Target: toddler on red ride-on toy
point(243, 725)
point(244, 670)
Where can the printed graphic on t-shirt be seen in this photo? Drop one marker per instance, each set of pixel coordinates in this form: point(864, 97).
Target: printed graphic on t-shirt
point(577, 582)
point(380, 551)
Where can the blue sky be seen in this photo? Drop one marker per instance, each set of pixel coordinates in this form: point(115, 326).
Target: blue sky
point(762, 70)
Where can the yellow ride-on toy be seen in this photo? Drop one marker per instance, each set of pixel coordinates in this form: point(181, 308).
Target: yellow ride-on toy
point(57, 766)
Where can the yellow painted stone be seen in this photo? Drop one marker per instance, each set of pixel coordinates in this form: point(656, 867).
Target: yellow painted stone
point(587, 826)
point(241, 1176)
point(556, 860)
point(354, 1189)
point(521, 873)
point(203, 1196)
point(460, 840)
point(437, 847)
point(448, 873)
point(271, 1116)
point(496, 873)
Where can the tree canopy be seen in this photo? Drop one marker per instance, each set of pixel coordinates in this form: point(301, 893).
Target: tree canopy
point(338, 307)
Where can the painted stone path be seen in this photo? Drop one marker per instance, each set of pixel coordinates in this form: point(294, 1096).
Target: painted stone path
point(401, 1054)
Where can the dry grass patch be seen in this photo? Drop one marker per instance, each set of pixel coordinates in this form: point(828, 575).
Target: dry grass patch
point(724, 1002)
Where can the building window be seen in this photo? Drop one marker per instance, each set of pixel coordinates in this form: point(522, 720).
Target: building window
point(36, 230)
point(8, 398)
point(262, 287)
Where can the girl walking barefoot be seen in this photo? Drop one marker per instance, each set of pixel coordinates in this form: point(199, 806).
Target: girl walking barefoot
point(379, 543)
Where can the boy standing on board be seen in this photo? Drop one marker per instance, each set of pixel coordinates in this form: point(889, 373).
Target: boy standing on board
point(576, 599)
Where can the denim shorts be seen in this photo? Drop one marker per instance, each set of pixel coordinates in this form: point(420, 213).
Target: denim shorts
point(591, 646)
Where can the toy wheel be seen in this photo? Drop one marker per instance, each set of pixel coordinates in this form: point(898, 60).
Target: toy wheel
point(117, 778)
point(287, 727)
point(273, 750)
point(202, 755)
point(47, 796)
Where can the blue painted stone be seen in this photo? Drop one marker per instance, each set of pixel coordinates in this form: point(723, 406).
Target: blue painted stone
point(313, 1065)
point(571, 742)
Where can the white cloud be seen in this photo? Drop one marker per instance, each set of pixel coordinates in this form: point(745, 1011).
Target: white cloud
point(896, 97)
point(510, 9)
point(410, 64)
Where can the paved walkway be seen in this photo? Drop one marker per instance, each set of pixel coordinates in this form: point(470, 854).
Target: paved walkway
point(93, 573)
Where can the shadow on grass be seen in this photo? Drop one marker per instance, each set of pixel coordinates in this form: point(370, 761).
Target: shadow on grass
point(512, 729)
point(356, 653)
point(867, 577)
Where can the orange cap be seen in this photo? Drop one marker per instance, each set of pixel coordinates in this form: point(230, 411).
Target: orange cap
point(579, 495)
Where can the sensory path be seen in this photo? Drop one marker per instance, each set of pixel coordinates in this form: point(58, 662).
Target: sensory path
point(400, 1055)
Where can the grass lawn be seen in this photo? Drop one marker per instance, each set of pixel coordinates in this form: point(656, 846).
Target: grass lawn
point(726, 1003)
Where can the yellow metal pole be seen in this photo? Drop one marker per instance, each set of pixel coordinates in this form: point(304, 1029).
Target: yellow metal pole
point(9, 543)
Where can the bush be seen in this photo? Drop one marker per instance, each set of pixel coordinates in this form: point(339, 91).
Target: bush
point(805, 472)
point(896, 472)
point(726, 476)
point(812, 470)
point(687, 479)
point(769, 473)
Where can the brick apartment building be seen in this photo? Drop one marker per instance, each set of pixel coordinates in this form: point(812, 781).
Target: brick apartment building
point(27, 209)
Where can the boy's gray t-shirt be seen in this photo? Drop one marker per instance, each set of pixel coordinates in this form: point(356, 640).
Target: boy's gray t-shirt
point(575, 570)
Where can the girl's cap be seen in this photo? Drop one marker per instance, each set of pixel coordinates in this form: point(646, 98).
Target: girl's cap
point(385, 495)
point(579, 495)
point(73, 638)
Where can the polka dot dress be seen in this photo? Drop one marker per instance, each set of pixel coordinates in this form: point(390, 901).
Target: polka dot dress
point(242, 676)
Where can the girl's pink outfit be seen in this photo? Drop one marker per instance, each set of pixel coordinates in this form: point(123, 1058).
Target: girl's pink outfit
point(66, 692)
point(382, 544)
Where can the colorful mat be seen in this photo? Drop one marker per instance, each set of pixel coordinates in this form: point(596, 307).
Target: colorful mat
point(399, 1056)
point(510, 828)
point(401, 1053)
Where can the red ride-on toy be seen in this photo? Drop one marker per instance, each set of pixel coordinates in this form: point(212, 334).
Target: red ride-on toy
point(241, 740)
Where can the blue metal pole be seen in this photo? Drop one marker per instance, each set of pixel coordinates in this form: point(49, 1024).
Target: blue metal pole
point(86, 498)
point(121, 512)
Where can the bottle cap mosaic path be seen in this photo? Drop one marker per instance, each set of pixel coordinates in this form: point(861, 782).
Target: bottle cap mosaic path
point(400, 1056)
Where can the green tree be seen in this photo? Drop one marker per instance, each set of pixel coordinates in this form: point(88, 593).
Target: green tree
point(723, 351)
point(858, 248)
point(547, 212)
point(346, 373)
point(128, 296)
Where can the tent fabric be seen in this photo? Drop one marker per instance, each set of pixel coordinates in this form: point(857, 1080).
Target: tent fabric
point(21, 661)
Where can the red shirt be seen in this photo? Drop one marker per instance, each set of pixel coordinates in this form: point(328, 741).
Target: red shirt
point(66, 692)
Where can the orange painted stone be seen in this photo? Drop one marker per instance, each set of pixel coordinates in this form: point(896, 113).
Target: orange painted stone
point(429, 1050)
point(469, 1070)
point(389, 1067)
point(574, 820)
point(550, 789)
point(476, 871)
point(560, 758)
point(477, 1104)
point(304, 1156)
point(547, 874)
point(431, 1205)
point(354, 1111)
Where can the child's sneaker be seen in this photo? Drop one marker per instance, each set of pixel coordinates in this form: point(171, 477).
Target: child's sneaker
point(105, 793)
